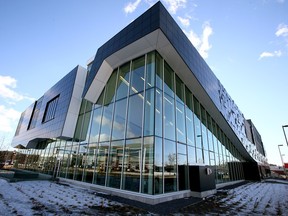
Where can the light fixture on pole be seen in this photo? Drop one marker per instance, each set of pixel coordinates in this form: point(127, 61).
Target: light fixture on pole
point(285, 133)
point(280, 154)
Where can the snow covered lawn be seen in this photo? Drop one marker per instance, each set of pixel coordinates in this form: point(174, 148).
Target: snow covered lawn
point(49, 198)
point(269, 197)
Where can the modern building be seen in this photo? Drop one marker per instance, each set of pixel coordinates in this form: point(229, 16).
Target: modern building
point(147, 120)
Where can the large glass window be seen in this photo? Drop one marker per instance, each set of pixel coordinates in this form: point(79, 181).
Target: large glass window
point(101, 164)
point(148, 165)
point(180, 120)
point(115, 164)
point(132, 161)
point(137, 75)
point(168, 80)
point(95, 127)
point(135, 112)
point(170, 158)
point(189, 118)
point(106, 123)
point(123, 81)
point(110, 88)
point(118, 131)
point(159, 71)
point(150, 70)
point(169, 117)
point(158, 166)
point(149, 113)
point(158, 113)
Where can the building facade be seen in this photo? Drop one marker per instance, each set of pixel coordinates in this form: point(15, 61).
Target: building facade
point(153, 121)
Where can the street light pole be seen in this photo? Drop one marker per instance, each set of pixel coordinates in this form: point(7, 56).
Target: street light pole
point(280, 154)
point(285, 133)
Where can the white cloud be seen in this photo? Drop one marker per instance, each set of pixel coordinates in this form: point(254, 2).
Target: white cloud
point(270, 54)
point(201, 43)
point(282, 30)
point(184, 21)
point(174, 5)
point(9, 119)
point(131, 6)
point(7, 84)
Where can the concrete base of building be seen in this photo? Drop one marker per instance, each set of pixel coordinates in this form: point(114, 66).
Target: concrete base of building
point(203, 193)
point(145, 198)
point(219, 186)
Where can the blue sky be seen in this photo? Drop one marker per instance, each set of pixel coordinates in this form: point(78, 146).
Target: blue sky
point(244, 42)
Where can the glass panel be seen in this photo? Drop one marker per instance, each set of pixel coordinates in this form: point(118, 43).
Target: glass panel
point(190, 127)
point(204, 129)
point(106, 123)
point(149, 113)
point(123, 81)
point(115, 164)
point(118, 131)
point(197, 124)
point(65, 161)
point(181, 149)
point(180, 119)
point(90, 159)
point(182, 167)
point(72, 161)
point(158, 166)
point(132, 161)
point(191, 155)
point(170, 183)
point(206, 157)
point(169, 117)
point(101, 163)
point(168, 80)
point(137, 75)
point(148, 164)
point(95, 127)
point(135, 112)
point(179, 89)
point(110, 88)
point(80, 162)
point(199, 156)
point(159, 71)
point(150, 71)
point(158, 113)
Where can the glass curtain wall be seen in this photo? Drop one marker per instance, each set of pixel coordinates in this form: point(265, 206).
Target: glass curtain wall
point(141, 135)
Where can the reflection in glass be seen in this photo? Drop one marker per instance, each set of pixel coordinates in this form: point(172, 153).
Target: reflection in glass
point(137, 75)
point(168, 80)
point(131, 165)
point(118, 131)
point(106, 123)
point(150, 70)
point(158, 166)
point(149, 113)
point(148, 164)
point(170, 183)
point(115, 164)
point(158, 113)
point(110, 88)
point(135, 112)
point(180, 120)
point(101, 163)
point(123, 81)
point(95, 127)
point(169, 117)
